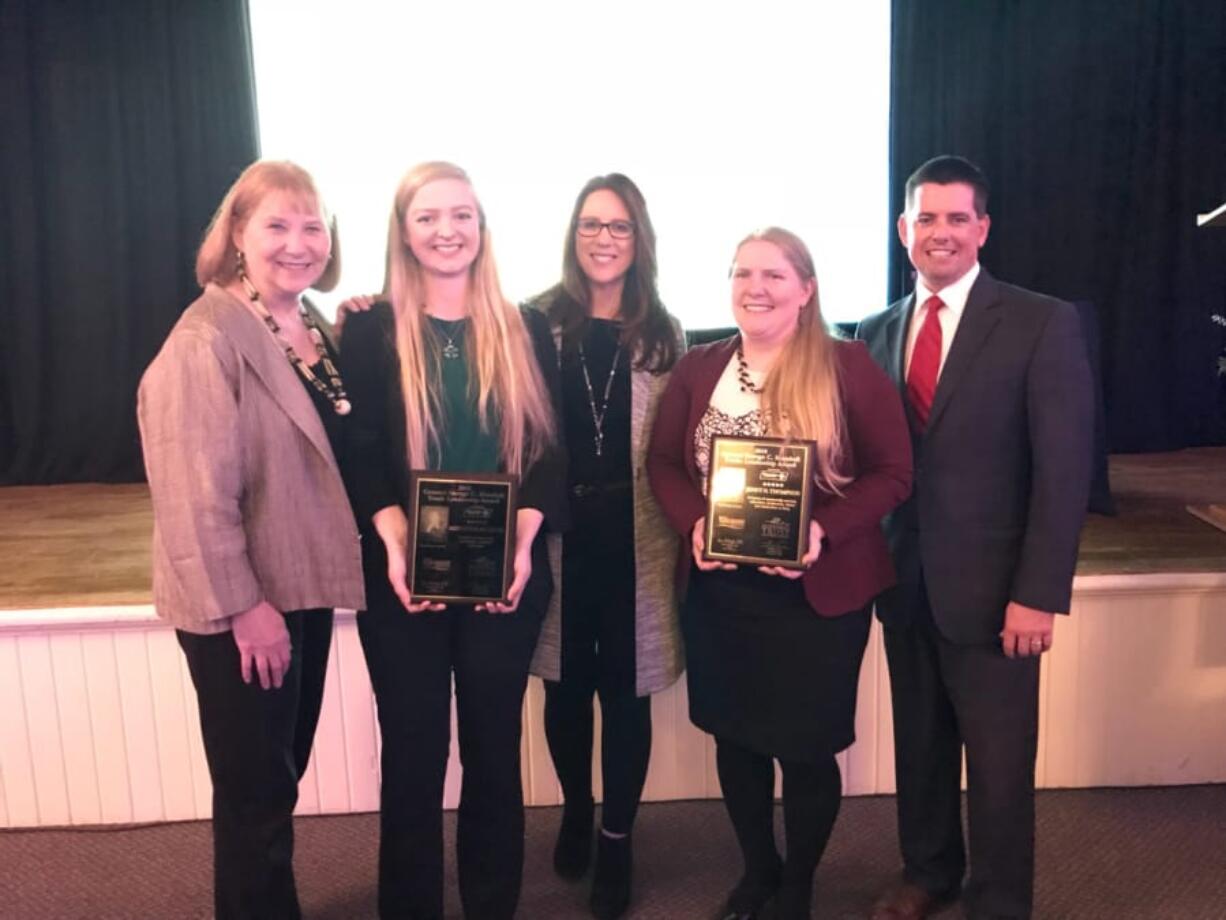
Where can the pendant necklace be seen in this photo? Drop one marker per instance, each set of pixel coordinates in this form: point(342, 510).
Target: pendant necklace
point(599, 416)
point(451, 351)
point(334, 389)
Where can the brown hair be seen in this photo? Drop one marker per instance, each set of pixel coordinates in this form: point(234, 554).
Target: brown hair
point(217, 259)
point(647, 330)
point(949, 170)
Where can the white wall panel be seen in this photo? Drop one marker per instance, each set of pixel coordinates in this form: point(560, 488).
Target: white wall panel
point(76, 732)
point(43, 728)
point(136, 694)
point(99, 720)
point(107, 728)
point(359, 731)
point(16, 763)
point(172, 709)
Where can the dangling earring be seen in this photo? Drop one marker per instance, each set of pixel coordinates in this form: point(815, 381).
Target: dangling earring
point(240, 269)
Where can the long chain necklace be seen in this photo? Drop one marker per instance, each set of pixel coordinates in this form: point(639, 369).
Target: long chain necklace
point(598, 416)
point(742, 373)
point(334, 389)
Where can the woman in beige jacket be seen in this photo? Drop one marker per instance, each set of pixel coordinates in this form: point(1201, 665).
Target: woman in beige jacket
point(254, 540)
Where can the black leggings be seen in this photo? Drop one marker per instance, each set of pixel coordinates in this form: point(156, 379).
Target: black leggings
point(625, 742)
point(812, 793)
point(598, 657)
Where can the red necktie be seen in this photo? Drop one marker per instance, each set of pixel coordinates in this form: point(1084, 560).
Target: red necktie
point(925, 364)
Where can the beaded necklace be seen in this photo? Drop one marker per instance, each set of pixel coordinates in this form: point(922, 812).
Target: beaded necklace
point(334, 389)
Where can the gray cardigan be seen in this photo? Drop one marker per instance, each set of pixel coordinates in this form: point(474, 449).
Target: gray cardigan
point(659, 657)
point(248, 502)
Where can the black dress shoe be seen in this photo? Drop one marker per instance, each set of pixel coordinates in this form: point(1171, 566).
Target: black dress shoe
point(611, 880)
point(573, 851)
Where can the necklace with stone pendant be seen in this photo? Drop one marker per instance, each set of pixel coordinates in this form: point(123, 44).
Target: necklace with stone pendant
point(451, 351)
point(599, 416)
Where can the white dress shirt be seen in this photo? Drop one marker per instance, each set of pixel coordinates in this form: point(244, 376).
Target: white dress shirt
point(954, 298)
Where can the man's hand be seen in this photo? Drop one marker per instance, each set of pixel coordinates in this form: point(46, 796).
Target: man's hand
point(1027, 631)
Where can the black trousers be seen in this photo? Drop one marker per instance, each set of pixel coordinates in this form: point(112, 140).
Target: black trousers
point(598, 657)
point(947, 696)
point(257, 743)
point(412, 659)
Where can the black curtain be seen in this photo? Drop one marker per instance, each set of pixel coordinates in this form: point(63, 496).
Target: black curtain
point(1102, 127)
point(123, 124)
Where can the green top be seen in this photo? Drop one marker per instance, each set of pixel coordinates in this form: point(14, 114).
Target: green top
point(464, 447)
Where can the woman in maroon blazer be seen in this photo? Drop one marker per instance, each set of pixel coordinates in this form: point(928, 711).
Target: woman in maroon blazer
point(774, 654)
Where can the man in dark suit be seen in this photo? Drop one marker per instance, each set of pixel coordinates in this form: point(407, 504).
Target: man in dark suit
point(997, 390)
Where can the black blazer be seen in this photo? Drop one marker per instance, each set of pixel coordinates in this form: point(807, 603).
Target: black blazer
point(1003, 471)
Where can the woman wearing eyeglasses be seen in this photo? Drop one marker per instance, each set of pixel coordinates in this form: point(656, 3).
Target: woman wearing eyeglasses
point(611, 628)
point(774, 654)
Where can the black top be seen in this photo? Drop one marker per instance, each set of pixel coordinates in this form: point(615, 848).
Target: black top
point(375, 460)
point(600, 486)
point(600, 345)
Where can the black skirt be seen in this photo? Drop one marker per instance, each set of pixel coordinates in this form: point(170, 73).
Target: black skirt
point(765, 671)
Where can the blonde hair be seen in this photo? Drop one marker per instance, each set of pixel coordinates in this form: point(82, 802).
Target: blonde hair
point(217, 260)
point(502, 369)
point(802, 393)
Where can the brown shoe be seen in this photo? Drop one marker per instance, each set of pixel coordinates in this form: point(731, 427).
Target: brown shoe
point(907, 902)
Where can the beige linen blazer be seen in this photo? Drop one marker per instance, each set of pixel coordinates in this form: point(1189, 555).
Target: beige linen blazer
point(248, 502)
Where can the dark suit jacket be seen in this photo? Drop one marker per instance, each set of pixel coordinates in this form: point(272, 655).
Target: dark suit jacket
point(855, 563)
point(1003, 471)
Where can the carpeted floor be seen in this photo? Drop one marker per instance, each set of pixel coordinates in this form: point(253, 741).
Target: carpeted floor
point(1117, 854)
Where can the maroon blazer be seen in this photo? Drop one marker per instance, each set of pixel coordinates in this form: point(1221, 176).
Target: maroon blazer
point(854, 565)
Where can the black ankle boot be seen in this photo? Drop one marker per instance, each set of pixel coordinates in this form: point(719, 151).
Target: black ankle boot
point(573, 851)
point(611, 880)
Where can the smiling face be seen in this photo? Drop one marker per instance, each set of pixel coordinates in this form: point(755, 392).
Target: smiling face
point(443, 228)
point(285, 245)
point(942, 232)
point(602, 258)
point(767, 293)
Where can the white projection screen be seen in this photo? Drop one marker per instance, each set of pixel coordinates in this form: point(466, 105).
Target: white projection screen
point(728, 115)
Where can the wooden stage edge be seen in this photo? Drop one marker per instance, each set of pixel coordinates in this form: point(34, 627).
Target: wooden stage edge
point(74, 547)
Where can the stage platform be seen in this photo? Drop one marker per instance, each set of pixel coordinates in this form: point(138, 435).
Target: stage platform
point(98, 724)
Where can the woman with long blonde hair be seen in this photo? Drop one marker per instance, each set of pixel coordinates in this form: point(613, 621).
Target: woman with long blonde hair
point(773, 654)
point(447, 375)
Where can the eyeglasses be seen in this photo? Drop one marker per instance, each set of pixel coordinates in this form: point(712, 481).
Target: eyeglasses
point(618, 229)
